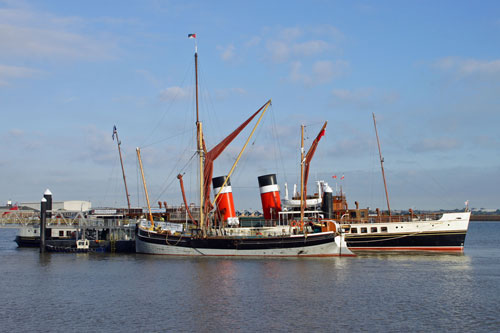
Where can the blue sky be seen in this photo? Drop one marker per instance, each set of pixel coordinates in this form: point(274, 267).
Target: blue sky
point(430, 71)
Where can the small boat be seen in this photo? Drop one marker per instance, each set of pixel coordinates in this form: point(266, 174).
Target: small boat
point(219, 232)
point(80, 246)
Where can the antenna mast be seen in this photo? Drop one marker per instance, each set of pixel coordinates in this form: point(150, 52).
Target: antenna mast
point(382, 165)
point(115, 132)
point(302, 175)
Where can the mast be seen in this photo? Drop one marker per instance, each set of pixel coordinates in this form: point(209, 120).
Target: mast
point(199, 133)
point(145, 188)
point(302, 174)
point(115, 132)
point(382, 165)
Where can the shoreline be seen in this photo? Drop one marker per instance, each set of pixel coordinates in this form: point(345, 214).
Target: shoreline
point(486, 218)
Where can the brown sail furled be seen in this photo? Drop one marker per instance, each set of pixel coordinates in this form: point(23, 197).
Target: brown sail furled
point(214, 153)
point(309, 157)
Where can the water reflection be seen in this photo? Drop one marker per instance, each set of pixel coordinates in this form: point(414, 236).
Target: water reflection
point(371, 292)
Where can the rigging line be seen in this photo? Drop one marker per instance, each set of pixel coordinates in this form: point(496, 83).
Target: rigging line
point(137, 182)
point(169, 106)
point(209, 106)
point(238, 172)
point(278, 144)
point(173, 179)
point(165, 139)
point(438, 186)
point(108, 183)
point(174, 168)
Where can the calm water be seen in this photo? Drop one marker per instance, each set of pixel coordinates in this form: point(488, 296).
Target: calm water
point(389, 293)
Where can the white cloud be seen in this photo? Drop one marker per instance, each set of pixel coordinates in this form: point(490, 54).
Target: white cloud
point(279, 51)
point(28, 42)
point(100, 145)
point(30, 34)
point(310, 48)
point(435, 144)
point(325, 71)
point(327, 30)
point(364, 97)
point(290, 34)
point(174, 93)
point(252, 42)
point(468, 67)
point(148, 76)
point(227, 52)
point(351, 95)
point(321, 72)
point(13, 72)
point(15, 133)
point(222, 94)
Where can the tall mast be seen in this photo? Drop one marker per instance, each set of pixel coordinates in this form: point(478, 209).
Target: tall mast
point(302, 174)
point(199, 131)
point(145, 188)
point(382, 165)
point(115, 132)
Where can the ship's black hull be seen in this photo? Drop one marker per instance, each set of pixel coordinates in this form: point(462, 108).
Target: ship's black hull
point(119, 246)
point(436, 241)
point(233, 243)
point(27, 241)
point(323, 244)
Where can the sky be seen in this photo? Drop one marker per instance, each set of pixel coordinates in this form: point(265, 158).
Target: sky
point(429, 71)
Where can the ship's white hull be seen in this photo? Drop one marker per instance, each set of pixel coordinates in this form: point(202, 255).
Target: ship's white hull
point(446, 234)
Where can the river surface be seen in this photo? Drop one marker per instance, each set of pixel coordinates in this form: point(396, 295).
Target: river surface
point(62, 292)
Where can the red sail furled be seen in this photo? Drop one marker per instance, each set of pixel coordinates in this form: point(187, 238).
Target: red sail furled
point(214, 153)
point(309, 157)
point(179, 176)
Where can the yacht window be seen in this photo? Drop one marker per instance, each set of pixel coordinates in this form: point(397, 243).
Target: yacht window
point(68, 233)
point(61, 233)
point(383, 229)
point(354, 230)
point(374, 229)
point(364, 230)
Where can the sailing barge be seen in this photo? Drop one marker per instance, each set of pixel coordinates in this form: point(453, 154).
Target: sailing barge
point(219, 233)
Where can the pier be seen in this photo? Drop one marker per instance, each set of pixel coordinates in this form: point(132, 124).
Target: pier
point(63, 230)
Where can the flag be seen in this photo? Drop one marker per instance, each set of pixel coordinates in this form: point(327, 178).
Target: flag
point(114, 132)
point(334, 176)
point(191, 35)
point(342, 177)
point(322, 133)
